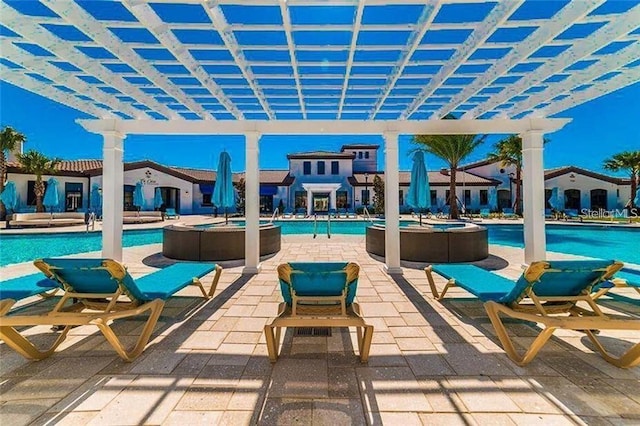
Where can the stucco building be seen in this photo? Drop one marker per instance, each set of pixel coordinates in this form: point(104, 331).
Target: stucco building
point(317, 182)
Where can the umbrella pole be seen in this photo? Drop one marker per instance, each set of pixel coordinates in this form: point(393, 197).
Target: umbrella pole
point(226, 217)
point(420, 218)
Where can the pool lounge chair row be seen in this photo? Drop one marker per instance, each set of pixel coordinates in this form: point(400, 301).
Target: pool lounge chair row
point(97, 292)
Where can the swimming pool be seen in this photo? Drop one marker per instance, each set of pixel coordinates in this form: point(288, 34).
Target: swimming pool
point(593, 241)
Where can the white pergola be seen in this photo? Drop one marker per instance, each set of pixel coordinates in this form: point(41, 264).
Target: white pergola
point(385, 67)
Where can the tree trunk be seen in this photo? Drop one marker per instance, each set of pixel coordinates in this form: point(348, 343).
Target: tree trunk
point(3, 173)
point(453, 203)
point(517, 208)
point(38, 190)
point(634, 189)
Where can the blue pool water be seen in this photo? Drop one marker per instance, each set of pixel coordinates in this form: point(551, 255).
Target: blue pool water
point(593, 241)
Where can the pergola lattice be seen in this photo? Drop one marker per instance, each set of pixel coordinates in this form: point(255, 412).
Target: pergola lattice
point(310, 66)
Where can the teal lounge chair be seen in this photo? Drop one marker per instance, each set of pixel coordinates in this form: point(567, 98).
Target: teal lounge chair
point(624, 278)
point(572, 214)
point(101, 291)
point(318, 295)
point(171, 214)
point(342, 212)
point(546, 293)
point(508, 213)
point(301, 213)
point(288, 214)
point(15, 289)
point(485, 213)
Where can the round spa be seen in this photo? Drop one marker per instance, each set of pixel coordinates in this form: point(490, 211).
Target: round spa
point(448, 243)
point(216, 243)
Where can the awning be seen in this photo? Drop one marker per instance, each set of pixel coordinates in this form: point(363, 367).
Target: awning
point(268, 190)
point(206, 188)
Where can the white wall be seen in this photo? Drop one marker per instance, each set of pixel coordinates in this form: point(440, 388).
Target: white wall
point(296, 170)
point(21, 182)
point(585, 184)
point(156, 179)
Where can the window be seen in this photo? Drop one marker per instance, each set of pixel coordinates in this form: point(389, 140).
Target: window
point(484, 197)
point(206, 200)
point(341, 199)
point(320, 167)
point(335, 167)
point(128, 198)
point(400, 197)
point(306, 167)
point(434, 197)
point(467, 197)
point(360, 155)
point(366, 154)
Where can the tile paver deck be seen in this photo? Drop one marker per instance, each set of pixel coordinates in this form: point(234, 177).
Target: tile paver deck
point(430, 363)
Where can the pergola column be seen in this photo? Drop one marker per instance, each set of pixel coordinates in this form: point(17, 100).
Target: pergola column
point(252, 205)
point(309, 201)
point(391, 205)
point(112, 194)
point(332, 199)
point(533, 196)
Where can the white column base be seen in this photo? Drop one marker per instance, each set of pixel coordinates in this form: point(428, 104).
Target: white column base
point(252, 270)
point(396, 270)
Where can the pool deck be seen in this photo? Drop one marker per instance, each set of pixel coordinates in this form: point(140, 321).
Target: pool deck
point(430, 363)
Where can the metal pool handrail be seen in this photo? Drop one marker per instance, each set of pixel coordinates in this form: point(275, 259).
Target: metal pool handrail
point(273, 216)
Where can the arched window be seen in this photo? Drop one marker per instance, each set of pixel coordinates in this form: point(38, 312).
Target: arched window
point(572, 199)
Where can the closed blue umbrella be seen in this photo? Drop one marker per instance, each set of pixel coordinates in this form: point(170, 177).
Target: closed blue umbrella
point(95, 198)
point(493, 198)
point(138, 196)
point(223, 194)
point(636, 201)
point(419, 195)
point(51, 197)
point(157, 199)
point(9, 196)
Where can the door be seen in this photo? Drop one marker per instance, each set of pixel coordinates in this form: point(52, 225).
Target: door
point(266, 203)
point(572, 199)
point(598, 199)
point(72, 196)
point(320, 203)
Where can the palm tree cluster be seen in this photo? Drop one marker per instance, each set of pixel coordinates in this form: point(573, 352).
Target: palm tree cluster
point(38, 164)
point(626, 161)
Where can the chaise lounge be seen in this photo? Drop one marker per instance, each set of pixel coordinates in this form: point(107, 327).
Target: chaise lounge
point(546, 293)
point(99, 291)
point(318, 295)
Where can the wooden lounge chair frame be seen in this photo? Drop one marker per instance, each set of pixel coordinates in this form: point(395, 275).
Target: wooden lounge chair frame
point(545, 311)
point(318, 311)
point(99, 309)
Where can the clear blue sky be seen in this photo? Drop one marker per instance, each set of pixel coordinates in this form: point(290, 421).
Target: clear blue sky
point(599, 129)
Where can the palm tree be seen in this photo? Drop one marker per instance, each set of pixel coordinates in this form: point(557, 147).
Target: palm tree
point(453, 149)
point(36, 163)
point(626, 161)
point(9, 140)
point(508, 152)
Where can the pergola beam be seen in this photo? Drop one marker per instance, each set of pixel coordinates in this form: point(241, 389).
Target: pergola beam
point(352, 52)
point(27, 27)
point(579, 78)
point(428, 14)
point(546, 32)
point(481, 33)
point(619, 27)
point(336, 127)
point(599, 89)
point(147, 17)
point(291, 48)
point(75, 15)
point(19, 79)
point(60, 77)
point(220, 24)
